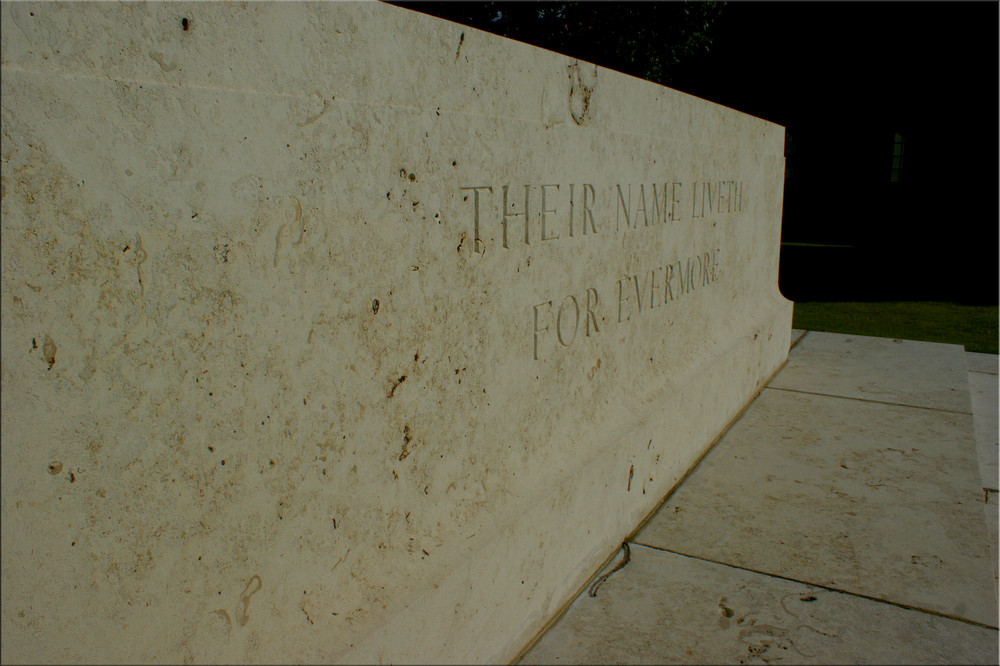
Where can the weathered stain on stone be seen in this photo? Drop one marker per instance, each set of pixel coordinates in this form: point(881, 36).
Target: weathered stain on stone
point(406, 443)
point(396, 384)
point(580, 92)
point(49, 351)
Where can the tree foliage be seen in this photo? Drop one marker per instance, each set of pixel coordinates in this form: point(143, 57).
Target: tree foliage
point(651, 40)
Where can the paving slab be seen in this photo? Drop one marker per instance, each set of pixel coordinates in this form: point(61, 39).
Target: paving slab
point(666, 608)
point(875, 499)
point(977, 362)
point(984, 393)
point(907, 372)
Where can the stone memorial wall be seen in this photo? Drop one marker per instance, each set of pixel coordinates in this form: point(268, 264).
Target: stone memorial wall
point(337, 332)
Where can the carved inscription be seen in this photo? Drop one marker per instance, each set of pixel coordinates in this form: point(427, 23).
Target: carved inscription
point(660, 285)
point(525, 215)
point(567, 318)
point(548, 222)
point(533, 214)
point(655, 211)
point(560, 323)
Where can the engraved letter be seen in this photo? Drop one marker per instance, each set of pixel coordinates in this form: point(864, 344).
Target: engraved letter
point(475, 215)
point(590, 313)
point(576, 321)
point(539, 330)
point(586, 208)
point(624, 207)
point(705, 273)
point(546, 211)
point(668, 292)
point(570, 211)
point(674, 201)
point(739, 196)
point(506, 215)
point(638, 292)
point(642, 200)
point(622, 296)
point(659, 216)
point(653, 286)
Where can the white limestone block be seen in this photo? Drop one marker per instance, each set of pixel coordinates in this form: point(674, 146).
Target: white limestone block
point(275, 388)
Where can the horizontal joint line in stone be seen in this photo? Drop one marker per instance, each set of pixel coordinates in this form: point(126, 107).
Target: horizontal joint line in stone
point(877, 402)
point(197, 86)
point(898, 604)
point(314, 97)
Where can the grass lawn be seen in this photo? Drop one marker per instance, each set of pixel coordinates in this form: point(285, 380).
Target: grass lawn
point(973, 326)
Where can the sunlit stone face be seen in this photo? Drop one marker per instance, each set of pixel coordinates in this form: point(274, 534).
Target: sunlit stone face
point(338, 332)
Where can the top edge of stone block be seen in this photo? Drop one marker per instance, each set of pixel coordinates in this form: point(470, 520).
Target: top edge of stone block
point(327, 50)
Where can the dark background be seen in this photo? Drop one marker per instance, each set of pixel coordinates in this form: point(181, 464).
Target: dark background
point(843, 79)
